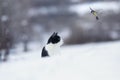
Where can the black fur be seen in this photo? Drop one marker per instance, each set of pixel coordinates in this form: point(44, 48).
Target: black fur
point(92, 11)
point(54, 38)
point(44, 53)
point(97, 18)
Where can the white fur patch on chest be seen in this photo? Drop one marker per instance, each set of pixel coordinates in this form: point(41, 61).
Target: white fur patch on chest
point(52, 49)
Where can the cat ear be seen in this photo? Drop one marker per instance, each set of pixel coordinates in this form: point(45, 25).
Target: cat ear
point(56, 33)
point(53, 34)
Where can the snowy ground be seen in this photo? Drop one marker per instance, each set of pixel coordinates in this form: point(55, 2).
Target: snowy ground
point(79, 62)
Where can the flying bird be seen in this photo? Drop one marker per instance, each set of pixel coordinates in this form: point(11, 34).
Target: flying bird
point(94, 13)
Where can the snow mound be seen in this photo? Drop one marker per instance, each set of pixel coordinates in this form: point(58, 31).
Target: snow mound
point(79, 62)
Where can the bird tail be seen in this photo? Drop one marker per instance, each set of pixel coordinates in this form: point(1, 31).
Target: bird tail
point(97, 18)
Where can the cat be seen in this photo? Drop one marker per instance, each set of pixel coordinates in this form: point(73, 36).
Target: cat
point(53, 45)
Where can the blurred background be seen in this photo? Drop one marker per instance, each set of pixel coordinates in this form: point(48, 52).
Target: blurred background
point(33, 21)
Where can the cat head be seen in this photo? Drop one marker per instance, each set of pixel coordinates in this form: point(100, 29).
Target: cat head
point(55, 39)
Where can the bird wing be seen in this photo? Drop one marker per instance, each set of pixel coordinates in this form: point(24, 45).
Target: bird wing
point(95, 13)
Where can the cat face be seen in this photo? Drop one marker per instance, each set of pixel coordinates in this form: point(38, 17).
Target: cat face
point(55, 39)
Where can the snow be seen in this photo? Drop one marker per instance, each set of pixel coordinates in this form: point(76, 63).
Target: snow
point(4, 18)
point(114, 35)
point(81, 9)
point(94, 61)
point(42, 10)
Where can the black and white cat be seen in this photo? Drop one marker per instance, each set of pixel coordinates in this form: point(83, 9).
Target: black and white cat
point(53, 46)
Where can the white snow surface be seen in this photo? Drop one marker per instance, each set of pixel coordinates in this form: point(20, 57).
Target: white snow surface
point(94, 61)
